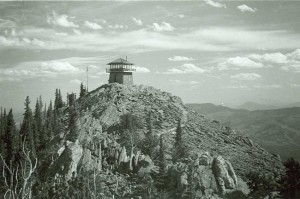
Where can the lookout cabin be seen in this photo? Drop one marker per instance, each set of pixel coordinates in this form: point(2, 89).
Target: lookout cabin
point(120, 71)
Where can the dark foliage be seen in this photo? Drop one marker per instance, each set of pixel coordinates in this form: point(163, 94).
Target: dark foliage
point(290, 182)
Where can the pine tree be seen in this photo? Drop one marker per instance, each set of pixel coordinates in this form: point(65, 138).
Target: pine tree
point(179, 148)
point(190, 192)
point(162, 164)
point(49, 123)
point(162, 155)
point(82, 90)
point(38, 122)
point(73, 115)
point(58, 103)
point(27, 127)
point(8, 137)
point(2, 129)
point(150, 141)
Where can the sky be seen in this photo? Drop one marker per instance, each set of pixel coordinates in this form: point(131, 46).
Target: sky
point(222, 52)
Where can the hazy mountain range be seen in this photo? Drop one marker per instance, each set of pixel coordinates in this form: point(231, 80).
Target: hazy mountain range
point(253, 106)
point(277, 130)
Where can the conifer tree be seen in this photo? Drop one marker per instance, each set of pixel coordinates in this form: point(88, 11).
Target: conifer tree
point(2, 128)
point(58, 103)
point(73, 115)
point(27, 128)
point(179, 147)
point(38, 122)
point(190, 192)
point(150, 141)
point(162, 155)
point(9, 137)
point(82, 90)
point(49, 123)
point(162, 164)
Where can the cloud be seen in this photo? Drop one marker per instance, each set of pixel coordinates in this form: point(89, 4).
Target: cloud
point(137, 21)
point(246, 76)
point(163, 27)
point(9, 79)
point(181, 15)
point(39, 69)
point(185, 69)
point(181, 58)
point(75, 81)
point(272, 86)
point(292, 68)
point(56, 66)
point(215, 4)
point(7, 24)
point(204, 39)
point(21, 42)
point(245, 8)
point(287, 62)
point(295, 55)
point(61, 20)
point(176, 81)
point(270, 57)
point(295, 85)
point(92, 25)
point(236, 63)
point(140, 69)
point(118, 26)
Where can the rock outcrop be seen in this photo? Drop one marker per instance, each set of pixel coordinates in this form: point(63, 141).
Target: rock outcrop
point(224, 174)
point(97, 145)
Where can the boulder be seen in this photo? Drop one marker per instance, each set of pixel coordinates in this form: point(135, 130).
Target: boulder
point(224, 174)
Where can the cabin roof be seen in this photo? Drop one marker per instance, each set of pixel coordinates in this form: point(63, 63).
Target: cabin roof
point(120, 61)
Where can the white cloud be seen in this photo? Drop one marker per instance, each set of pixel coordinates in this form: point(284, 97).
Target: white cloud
point(205, 39)
point(245, 8)
point(181, 15)
point(270, 57)
point(272, 86)
point(246, 76)
point(61, 20)
point(295, 85)
point(163, 27)
point(9, 79)
point(215, 4)
point(56, 66)
point(295, 55)
point(39, 69)
point(176, 81)
point(140, 69)
point(194, 82)
point(77, 32)
point(137, 21)
point(180, 58)
point(184, 69)
point(239, 62)
point(92, 25)
point(118, 26)
point(292, 68)
point(21, 42)
point(75, 81)
point(7, 24)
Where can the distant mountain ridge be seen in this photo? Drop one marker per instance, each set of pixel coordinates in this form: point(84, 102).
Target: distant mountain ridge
point(252, 106)
point(277, 130)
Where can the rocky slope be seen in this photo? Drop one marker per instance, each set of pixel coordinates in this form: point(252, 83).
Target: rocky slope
point(275, 130)
point(221, 156)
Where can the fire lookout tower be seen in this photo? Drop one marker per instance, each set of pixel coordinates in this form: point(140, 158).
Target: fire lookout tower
point(120, 71)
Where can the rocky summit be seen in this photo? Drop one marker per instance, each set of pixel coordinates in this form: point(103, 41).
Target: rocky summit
point(220, 157)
